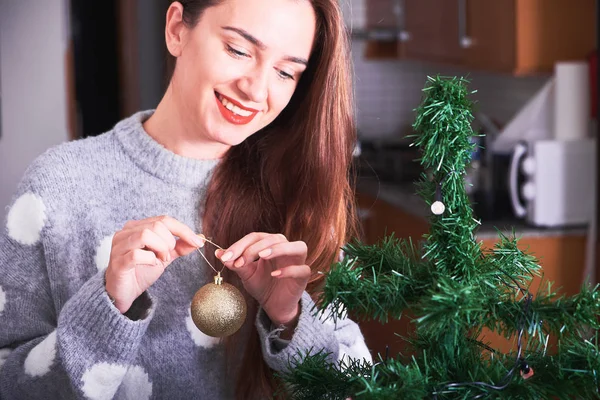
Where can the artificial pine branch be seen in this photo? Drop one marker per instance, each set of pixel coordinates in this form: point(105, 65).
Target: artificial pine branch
point(376, 282)
point(454, 289)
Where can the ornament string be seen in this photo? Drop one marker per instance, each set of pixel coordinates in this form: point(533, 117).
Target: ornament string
point(206, 259)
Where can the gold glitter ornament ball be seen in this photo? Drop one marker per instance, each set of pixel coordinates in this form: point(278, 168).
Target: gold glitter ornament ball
point(218, 309)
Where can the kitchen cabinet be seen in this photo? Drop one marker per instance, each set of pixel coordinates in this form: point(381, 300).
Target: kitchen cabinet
point(423, 29)
point(432, 30)
point(521, 37)
point(379, 218)
point(561, 256)
point(382, 20)
point(528, 36)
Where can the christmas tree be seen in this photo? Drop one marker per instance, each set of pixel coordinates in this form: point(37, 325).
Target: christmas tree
point(454, 289)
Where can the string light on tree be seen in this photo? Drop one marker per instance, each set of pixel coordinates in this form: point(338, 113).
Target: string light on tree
point(438, 206)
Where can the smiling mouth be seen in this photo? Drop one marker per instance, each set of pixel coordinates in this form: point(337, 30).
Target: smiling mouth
point(233, 107)
point(234, 112)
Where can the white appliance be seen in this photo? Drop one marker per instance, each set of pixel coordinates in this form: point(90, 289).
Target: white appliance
point(559, 184)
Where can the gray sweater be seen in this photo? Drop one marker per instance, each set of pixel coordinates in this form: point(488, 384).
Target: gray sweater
point(60, 336)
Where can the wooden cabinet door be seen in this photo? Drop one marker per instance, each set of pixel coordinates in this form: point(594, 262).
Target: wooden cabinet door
point(432, 26)
point(562, 259)
point(380, 219)
point(381, 15)
point(490, 25)
point(524, 37)
point(549, 31)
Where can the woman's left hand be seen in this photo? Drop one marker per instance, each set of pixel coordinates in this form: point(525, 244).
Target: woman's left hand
point(273, 270)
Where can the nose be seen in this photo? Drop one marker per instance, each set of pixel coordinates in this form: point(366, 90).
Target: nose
point(254, 84)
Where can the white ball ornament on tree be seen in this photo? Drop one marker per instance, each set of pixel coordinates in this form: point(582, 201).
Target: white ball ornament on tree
point(438, 208)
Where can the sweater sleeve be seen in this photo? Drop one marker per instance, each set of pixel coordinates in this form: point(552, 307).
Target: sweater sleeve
point(341, 339)
point(78, 350)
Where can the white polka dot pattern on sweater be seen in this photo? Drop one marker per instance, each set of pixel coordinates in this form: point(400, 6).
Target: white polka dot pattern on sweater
point(199, 338)
point(26, 219)
point(4, 353)
point(328, 318)
point(358, 350)
point(2, 300)
point(136, 385)
point(102, 381)
point(102, 256)
point(41, 357)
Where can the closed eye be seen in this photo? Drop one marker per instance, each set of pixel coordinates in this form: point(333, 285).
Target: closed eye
point(284, 75)
point(236, 53)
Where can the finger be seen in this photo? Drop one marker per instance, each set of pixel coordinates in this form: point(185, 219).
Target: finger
point(180, 229)
point(202, 239)
point(146, 238)
point(256, 250)
point(138, 257)
point(247, 272)
point(182, 248)
point(163, 232)
point(297, 249)
point(301, 272)
point(234, 251)
point(128, 239)
point(176, 228)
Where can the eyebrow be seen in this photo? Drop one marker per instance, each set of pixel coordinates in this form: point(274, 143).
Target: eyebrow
point(263, 46)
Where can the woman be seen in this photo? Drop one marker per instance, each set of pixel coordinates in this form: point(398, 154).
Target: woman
point(251, 146)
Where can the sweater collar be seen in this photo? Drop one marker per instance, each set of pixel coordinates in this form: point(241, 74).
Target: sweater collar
point(155, 159)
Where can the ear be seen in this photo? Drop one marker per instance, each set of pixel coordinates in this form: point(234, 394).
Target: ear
point(175, 29)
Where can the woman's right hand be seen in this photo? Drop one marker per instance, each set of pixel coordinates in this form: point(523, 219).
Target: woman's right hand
point(140, 253)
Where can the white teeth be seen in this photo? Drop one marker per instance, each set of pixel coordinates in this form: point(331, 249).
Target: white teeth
point(232, 107)
point(241, 112)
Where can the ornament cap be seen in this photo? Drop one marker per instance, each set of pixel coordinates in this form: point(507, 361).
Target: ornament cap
point(218, 279)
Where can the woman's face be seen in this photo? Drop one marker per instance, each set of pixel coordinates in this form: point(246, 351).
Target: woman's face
point(239, 66)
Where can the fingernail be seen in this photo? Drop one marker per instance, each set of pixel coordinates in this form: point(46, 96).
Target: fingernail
point(265, 253)
point(239, 262)
point(276, 273)
point(198, 240)
point(227, 256)
point(168, 258)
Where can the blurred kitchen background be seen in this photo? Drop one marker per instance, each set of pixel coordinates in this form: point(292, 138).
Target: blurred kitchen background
point(71, 69)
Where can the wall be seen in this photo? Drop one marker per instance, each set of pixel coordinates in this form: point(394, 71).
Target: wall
point(388, 91)
point(151, 50)
point(32, 81)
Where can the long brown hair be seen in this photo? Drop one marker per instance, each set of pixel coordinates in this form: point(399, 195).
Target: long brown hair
point(292, 177)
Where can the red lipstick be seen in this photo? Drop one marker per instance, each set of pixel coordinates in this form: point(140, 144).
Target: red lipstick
point(230, 115)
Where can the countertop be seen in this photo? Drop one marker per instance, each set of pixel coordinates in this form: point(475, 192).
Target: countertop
point(403, 196)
